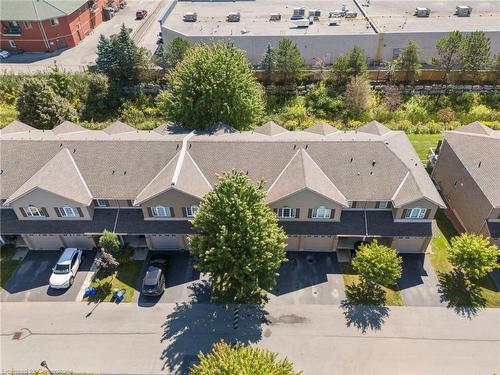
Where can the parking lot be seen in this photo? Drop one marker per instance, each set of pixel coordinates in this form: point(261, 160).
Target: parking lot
point(30, 282)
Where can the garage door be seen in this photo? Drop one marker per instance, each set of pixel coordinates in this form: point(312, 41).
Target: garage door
point(80, 242)
point(318, 243)
point(292, 243)
point(164, 242)
point(408, 245)
point(45, 242)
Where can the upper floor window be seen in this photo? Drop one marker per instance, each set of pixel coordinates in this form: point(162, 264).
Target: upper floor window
point(415, 213)
point(32, 211)
point(351, 204)
point(54, 21)
point(321, 213)
point(383, 204)
point(160, 211)
point(11, 27)
point(102, 203)
point(190, 211)
point(68, 211)
point(286, 212)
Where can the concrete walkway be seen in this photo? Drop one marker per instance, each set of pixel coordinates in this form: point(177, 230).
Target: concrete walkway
point(318, 339)
point(419, 283)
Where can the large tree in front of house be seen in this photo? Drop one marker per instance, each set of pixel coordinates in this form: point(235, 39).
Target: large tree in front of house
point(110, 243)
point(473, 255)
point(238, 241)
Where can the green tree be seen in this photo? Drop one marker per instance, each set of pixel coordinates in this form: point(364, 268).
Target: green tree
point(213, 83)
point(321, 105)
point(172, 54)
point(110, 243)
point(289, 62)
point(473, 255)
point(121, 59)
point(106, 262)
point(357, 62)
point(345, 67)
point(474, 53)
point(409, 61)
point(241, 360)
point(268, 63)
point(39, 106)
point(239, 242)
point(378, 264)
point(448, 49)
point(495, 66)
point(357, 96)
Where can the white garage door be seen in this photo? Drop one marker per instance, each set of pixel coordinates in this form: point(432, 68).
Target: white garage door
point(318, 243)
point(408, 245)
point(292, 243)
point(80, 242)
point(45, 242)
point(164, 242)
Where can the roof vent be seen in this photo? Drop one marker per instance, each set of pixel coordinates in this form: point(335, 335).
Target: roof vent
point(371, 173)
point(190, 146)
point(307, 146)
point(373, 163)
point(74, 150)
point(479, 165)
point(113, 171)
point(124, 173)
point(358, 173)
point(294, 147)
point(177, 147)
point(352, 159)
point(60, 145)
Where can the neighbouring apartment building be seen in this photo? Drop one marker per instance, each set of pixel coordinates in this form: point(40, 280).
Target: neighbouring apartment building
point(48, 25)
point(468, 174)
point(329, 188)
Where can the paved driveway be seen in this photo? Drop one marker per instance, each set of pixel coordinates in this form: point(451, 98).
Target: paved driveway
point(419, 283)
point(183, 282)
point(309, 278)
point(30, 282)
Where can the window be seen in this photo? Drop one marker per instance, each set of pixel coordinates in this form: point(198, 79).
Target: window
point(321, 213)
point(102, 203)
point(383, 204)
point(286, 212)
point(190, 211)
point(160, 211)
point(33, 211)
point(68, 211)
point(54, 21)
point(12, 44)
point(415, 213)
point(27, 24)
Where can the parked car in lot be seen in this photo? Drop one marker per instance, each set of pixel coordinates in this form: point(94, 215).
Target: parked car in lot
point(140, 14)
point(64, 272)
point(154, 280)
point(4, 54)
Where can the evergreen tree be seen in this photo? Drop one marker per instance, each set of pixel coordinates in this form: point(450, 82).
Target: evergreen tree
point(289, 63)
point(448, 49)
point(409, 61)
point(474, 53)
point(172, 54)
point(239, 243)
point(268, 63)
point(345, 67)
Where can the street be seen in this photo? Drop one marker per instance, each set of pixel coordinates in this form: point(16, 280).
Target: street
point(318, 339)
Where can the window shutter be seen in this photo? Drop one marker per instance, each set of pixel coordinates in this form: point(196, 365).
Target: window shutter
point(275, 210)
point(389, 204)
point(150, 212)
point(297, 213)
point(377, 204)
point(58, 212)
point(184, 213)
point(80, 213)
point(130, 203)
point(427, 213)
point(23, 212)
point(309, 213)
point(45, 213)
point(405, 212)
point(106, 202)
point(95, 202)
point(332, 213)
point(172, 214)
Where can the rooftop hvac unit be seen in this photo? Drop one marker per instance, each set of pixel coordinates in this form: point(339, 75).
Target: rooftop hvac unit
point(314, 13)
point(233, 17)
point(336, 13)
point(298, 13)
point(302, 23)
point(422, 12)
point(190, 17)
point(463, 11)
point(275, 17)
point(351, 14)
point(334, 21)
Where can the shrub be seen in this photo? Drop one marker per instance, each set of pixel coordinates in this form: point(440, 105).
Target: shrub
point(110, 243)
point(357, 95)
point(321, 105)
point(446, 114)
point(126, 253)
point(106, 262)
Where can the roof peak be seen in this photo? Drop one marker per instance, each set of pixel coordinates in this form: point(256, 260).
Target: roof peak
point(270, 128)
point(373, 127)
point(475, 128)
point(322, 128)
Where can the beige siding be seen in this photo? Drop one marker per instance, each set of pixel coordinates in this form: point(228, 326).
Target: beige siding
point(465, 198)
point(44, 242)
point(317, 243)
point(409, 245)
point(40, 198)
point(304, 200)
point(292, 243)
point(422, 203)
point(80, 242)
point(164, 242)
point(172, 198)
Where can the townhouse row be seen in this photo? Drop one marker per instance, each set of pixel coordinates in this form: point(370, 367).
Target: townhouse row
point(330, 189)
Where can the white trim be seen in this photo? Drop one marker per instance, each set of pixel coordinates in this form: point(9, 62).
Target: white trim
point(79, 174)
point(283, 171)
point(199, 170)
point(182, 154)
point(400, 186)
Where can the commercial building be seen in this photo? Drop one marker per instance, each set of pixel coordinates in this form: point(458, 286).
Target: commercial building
point(380, 27)
point(329, 188)
point(48, 25)
point(468, 173)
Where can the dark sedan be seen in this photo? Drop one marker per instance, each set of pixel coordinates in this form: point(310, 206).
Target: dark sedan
point(154, 280)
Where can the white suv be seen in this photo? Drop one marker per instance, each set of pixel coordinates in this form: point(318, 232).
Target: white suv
point(63, 273)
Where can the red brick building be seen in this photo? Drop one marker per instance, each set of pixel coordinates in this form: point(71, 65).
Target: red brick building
point(48, 25)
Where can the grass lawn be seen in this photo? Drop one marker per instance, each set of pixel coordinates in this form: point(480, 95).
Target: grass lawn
point(392, 295)
point(8, 113)
point(7, 266)
point(485, 287)
point(422, 143)
point(125, 277)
